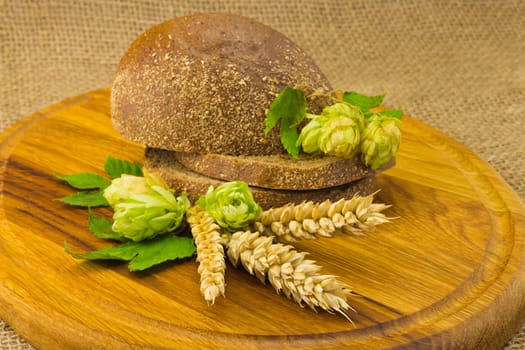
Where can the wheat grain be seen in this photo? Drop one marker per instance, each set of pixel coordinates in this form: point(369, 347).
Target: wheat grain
point(289, 272)
point(309, 220)
point(210, 253)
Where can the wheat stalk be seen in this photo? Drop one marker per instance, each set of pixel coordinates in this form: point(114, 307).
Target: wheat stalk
point(288, 272)
point(210, 253)
point(309, 220)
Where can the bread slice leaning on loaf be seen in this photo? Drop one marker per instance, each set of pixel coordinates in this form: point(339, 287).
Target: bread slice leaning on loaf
point(280, 172)
point(180, 178)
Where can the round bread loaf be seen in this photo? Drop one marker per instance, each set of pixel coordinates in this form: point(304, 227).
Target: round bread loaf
point(202, 83)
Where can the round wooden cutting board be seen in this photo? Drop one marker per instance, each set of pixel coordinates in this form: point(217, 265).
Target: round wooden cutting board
point(449, 273)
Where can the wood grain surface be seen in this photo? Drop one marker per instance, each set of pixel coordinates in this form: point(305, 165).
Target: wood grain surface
point(449, 273)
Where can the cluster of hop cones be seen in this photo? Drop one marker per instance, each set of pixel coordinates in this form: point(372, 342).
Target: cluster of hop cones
point(262, 251)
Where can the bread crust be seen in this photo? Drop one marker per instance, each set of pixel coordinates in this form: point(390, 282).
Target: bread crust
point(180, 178)
point(279, 171)
point(202, 83)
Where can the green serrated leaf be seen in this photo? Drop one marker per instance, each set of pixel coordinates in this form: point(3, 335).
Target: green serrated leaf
point(126, 251)
point(86, 199)
point(84, 181)
point(394, 113)
point(144, 254)
point(116, 167)
point(166, 248)
point(289, 137)
point(364, 102)
point(289, 107)
point(102, 228)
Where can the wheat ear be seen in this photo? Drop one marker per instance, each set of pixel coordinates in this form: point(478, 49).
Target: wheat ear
point(210, 253)
point(309, 220)
point(288, 272)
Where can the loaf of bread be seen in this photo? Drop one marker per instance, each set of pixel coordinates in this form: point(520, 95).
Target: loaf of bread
point(180, 178)
point(202, 84)
point(278, 171)
point(195, 91)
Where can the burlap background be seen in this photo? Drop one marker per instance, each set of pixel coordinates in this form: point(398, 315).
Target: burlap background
point(457, 65)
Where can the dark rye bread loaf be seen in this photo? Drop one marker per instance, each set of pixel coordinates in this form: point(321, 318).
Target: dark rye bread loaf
point(278, 171)
point(202, 83)
point(180, 178)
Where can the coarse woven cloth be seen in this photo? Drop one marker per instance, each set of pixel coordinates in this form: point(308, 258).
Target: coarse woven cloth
point(458, 66)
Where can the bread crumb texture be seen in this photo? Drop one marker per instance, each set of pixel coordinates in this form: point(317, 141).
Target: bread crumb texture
point(182, 179)
point(280, 171)
point(202, 83)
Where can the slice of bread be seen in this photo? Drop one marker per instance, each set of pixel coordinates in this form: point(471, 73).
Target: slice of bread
point(180, 178)
point(281, 172)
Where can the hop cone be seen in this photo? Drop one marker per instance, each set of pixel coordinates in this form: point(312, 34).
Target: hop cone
point(210, 253)
point(288, 272)
point(340, 137)
point(124, 186)
point(144, 207)
point(380, 141)
point(344, 110)
point(231, 205)
point(309, 136)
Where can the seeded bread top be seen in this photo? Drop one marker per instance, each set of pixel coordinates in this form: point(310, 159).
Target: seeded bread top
point(202, 83)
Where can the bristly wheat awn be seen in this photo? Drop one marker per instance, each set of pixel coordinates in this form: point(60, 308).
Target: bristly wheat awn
point(287, 269)
point(309, 220)
point(289, 272)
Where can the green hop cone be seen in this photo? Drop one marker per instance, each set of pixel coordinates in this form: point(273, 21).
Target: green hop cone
point(231, 205)
point(340, 137)
point(122, 187)
point(345, 110)
point(309, 136)
point(144, 207)
point(380, 140)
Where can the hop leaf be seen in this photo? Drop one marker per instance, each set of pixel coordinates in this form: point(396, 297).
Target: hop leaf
point(364, 102)
point(143, 255)
point(380, 140)
point(289, 107)
point(103, 228)
point(90, 181)
point(116, 167)
point(85, 199)
point(231, 205)
point(84, 181)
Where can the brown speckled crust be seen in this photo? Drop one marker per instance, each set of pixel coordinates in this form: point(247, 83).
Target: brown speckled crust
point(278, 171)
point(181, 179)
point(202, 83)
